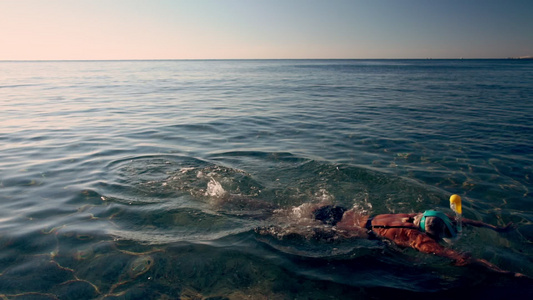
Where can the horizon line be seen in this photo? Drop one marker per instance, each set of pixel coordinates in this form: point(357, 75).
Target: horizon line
point(250, 59)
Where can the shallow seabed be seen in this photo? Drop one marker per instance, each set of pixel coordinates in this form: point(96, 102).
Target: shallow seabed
point(153, 179)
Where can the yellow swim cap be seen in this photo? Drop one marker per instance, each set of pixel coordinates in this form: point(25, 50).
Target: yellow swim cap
point(455, 204)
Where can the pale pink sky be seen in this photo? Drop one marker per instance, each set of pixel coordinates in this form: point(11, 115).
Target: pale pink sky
point(196, 29)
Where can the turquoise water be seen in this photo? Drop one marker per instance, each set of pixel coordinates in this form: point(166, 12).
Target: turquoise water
point(146, 179)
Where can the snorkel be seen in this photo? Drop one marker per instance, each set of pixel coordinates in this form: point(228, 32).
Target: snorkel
point(455, 205)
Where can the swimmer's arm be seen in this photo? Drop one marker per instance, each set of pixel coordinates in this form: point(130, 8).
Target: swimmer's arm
point(474, 223)
point(425, 244)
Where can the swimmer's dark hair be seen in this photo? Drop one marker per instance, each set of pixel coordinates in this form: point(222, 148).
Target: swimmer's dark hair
point(330, 214)
point(436, 229)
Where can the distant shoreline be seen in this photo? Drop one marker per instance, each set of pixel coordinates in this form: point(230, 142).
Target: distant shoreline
point(522, 57)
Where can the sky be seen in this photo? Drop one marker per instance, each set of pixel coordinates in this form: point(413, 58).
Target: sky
point(264, 29)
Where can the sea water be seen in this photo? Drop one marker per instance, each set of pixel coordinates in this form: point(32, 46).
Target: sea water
point(149, 179)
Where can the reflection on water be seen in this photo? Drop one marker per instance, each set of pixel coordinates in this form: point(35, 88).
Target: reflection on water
point(175, 226)
point(195, 180)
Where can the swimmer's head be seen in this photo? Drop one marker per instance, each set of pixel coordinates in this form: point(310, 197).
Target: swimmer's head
point(330, 214)
point(437, 225)
point(436, 228)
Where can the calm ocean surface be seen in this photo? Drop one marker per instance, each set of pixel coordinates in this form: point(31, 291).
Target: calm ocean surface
point(146, 179)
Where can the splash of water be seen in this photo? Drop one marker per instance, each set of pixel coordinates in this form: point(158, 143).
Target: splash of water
point(215, 189)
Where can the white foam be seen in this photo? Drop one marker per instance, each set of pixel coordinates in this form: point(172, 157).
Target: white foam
point(215, 189)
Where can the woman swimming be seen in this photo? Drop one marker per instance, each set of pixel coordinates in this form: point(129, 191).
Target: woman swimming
point(421, 231)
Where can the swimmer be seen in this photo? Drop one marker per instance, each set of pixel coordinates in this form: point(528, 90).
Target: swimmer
point(421, 231)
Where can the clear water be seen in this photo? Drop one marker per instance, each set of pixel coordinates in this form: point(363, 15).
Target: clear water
point(146, 179)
